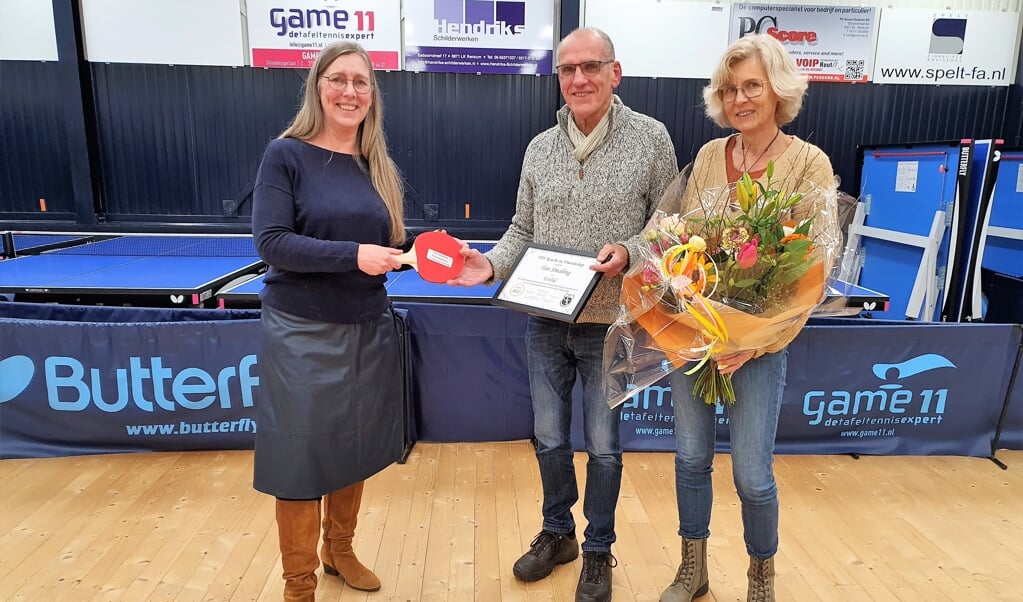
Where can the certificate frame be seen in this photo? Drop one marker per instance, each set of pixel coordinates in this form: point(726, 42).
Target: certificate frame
point(549, 281)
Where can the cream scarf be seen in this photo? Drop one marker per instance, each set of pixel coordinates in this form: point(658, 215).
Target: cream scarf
point(585, 145)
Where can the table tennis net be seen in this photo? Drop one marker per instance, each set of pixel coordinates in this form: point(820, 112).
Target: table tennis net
point(186, 246)
point(173, 246)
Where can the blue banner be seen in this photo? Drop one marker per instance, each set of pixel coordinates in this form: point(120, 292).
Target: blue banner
point(1012, 428)
point(100, 380)
point(921, 389)
point(69, 388)
point(471, 380)
point(872, 388)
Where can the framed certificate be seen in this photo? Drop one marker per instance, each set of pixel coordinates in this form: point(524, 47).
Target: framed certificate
point(547, 281)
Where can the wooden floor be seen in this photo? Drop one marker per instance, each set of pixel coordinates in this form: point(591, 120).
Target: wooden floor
point(448, 525)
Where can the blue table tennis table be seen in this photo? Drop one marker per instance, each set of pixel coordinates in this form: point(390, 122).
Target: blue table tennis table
point(401, 286)
point(844, 299)
point(161, 271)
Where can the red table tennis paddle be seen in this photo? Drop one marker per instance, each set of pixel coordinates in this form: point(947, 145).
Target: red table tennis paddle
point(435, 255)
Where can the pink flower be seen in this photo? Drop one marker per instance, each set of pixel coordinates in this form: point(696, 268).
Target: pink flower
point(650, 275)
point(747, 256)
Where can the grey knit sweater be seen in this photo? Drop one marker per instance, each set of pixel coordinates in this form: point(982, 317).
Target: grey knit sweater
point(607, 199)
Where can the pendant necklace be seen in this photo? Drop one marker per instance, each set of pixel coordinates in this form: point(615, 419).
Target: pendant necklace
point(742, 141)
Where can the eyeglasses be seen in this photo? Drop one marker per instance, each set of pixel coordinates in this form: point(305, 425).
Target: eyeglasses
point(359, 84)
point(590, 68)
point(750, 89)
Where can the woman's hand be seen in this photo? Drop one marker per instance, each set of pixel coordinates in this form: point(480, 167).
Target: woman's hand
point(728, 364)
point(376, 260)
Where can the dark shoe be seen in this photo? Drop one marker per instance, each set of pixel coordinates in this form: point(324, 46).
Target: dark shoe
point(548, 550)
point(595, 580)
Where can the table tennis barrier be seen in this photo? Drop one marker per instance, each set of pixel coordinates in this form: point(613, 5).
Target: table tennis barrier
point(83, 380)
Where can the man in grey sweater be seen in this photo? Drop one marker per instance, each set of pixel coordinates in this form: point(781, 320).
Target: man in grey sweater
point(589, 183)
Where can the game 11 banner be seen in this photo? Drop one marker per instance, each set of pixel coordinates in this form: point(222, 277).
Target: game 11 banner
point(291, 33)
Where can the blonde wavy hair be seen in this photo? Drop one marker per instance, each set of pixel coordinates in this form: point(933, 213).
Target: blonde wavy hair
point(788, 83)
point(371, 145)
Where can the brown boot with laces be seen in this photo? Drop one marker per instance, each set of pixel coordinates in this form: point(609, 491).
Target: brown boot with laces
point(761, 580)
point(691, 579)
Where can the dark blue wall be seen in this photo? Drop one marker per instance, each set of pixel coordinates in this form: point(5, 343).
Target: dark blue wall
point(134, 147)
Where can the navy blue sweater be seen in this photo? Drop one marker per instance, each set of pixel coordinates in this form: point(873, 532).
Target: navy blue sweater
point(311, 209)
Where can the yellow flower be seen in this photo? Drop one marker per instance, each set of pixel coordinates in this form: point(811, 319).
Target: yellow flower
point(697, 244)
point(743, 197)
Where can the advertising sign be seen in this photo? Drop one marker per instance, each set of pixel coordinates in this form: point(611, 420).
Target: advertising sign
point(891, 390)
point(950, 47)
point(29, 33)
point(647, 41)
point(291, 33)
point(480, 36)
point(126, 387)
point(184, 32)
point(829, 43)
point(888, 390)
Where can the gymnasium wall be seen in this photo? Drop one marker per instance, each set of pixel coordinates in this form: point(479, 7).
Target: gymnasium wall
point(161, 147)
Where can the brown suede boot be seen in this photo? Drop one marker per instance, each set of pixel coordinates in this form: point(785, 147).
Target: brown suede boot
point(761, 580)
point(340, 514)
point(298, 526)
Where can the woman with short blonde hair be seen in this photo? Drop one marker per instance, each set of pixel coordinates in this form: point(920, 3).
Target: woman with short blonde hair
point(755, 90)
point(786, 81)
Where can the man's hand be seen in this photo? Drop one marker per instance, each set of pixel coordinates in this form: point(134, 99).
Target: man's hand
point(476, 270)
point(728, 364)
point(376, 260)
point(613, 259)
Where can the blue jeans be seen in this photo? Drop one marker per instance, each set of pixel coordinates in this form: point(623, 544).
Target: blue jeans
point(556, 351)
point(753, 422)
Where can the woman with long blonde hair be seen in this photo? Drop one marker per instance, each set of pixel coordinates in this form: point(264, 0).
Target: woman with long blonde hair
point(327, 216)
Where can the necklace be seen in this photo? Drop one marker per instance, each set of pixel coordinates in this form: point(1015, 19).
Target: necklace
point(742, 142)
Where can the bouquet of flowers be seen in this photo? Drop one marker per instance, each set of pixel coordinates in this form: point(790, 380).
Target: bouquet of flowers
point(740, 272)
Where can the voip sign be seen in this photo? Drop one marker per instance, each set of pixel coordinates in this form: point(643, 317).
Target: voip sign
point(846, 408)
point(145, 384)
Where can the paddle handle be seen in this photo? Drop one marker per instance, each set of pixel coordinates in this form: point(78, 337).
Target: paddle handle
point(409, 258)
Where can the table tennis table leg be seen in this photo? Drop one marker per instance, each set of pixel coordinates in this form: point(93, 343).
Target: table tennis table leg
point(407, 405)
